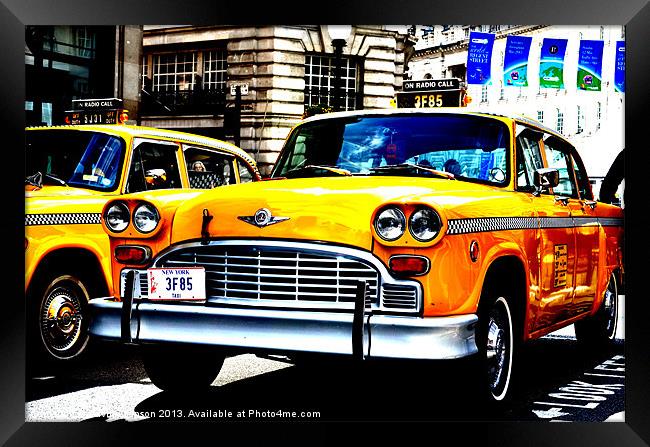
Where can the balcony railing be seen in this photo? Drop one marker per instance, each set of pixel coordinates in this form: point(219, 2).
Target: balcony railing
point(184, 102)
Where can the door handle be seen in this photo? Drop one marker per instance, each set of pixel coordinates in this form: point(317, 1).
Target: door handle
point(563, 200)
point(591, 204)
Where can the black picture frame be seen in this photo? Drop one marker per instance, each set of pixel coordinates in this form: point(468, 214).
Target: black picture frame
point(15, 14)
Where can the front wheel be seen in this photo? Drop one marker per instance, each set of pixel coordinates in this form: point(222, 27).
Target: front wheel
point(599, 330)
point(496, 342)
point(62, 317)
point(178, 368)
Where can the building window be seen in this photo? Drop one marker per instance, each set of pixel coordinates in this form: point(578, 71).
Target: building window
point(319, 80)
point(580, 119)
point(174, 72)
point(85, 42)
point(540, 116)
point(214, 70)
point(484, 93)
point(559, 125)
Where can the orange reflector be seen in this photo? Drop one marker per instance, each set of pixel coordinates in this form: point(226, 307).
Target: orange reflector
point(409, 265)
point(132, 254)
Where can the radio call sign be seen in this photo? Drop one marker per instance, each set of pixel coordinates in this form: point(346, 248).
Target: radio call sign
point(430, 93)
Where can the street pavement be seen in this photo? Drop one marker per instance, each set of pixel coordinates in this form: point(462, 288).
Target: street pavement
point(559, 381)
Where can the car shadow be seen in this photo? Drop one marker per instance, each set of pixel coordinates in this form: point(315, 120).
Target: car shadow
point(441, 391)
point(104, 364)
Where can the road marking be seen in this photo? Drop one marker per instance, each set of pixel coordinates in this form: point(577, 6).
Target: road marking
point(550, 413)
point(604, 375)
point(581, 394)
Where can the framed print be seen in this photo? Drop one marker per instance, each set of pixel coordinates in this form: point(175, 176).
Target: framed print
point(205, 78)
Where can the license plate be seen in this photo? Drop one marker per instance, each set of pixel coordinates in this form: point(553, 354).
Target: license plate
point(183, 283)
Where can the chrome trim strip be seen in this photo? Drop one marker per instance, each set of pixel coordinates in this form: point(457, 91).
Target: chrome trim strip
point(355, 254)
point(485, 224)
point(281, 330)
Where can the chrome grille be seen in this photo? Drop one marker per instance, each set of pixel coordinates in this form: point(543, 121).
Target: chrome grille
point(141, 289)
point(277, 273)
point(398, 296)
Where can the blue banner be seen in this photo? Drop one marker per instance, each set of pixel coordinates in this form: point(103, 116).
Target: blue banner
point(590, 65)
point(619, 67)
point(551, 63)
point(479, 58)
point(515, 61)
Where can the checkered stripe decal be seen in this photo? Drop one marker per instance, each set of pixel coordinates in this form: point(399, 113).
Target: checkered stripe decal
point(482, 224)
point(62, 219)
point(611, 221)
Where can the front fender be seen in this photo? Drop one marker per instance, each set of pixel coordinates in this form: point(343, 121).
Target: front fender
point(96, 244)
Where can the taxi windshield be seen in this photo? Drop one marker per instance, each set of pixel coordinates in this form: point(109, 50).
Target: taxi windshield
point(471, 148)
point(77, 158)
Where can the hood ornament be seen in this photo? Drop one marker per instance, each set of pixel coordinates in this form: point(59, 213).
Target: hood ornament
point(262, 218)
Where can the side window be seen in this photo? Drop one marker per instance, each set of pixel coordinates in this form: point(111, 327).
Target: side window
point(529, 159)
point(153, 166)
point(207, 169)
point(582, 178)
point(559, 159)
point(245, 173)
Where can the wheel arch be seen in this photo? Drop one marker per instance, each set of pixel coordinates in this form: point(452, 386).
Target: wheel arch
point(507, 274)
point(72, 260)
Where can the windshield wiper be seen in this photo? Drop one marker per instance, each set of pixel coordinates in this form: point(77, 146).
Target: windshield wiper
point(412, 167)
point(300, 171)
point(56, 179)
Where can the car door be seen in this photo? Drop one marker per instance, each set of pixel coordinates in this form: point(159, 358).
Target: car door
point(557, 245)
point(587, 228)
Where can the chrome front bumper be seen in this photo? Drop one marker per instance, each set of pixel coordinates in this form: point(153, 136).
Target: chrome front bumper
point(384, 336)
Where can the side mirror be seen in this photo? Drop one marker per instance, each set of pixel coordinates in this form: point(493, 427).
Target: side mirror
point(545, 178)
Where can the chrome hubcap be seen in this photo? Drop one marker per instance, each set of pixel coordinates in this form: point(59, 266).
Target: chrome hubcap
point(610, 307)
point(496, 353)
point(61, 319)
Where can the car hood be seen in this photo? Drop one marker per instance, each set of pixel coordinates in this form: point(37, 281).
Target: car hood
point(337, 210)
point(60, 191)
point(63, 199)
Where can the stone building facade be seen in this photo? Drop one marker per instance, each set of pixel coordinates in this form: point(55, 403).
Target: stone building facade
point(188, 73)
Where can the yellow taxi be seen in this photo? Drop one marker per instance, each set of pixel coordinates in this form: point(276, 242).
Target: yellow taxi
point(403, 233)
point(72, 172)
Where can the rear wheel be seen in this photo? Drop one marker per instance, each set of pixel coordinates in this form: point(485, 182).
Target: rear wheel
point(181, 368)
point(600, 329)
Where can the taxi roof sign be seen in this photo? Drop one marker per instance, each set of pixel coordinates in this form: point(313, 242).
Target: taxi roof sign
point(428, 93)
point(97, 104)
point(431, 85)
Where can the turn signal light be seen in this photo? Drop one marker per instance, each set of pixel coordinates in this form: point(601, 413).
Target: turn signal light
point(132, 254)
point(406, 265)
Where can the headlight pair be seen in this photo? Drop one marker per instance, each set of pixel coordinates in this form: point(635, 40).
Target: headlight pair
point(424, 224)
point(145, 217)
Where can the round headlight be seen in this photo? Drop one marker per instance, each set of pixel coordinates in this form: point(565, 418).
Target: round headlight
point(146, 218)
point(117, 217)
point(424, 224)
point(390, 224)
